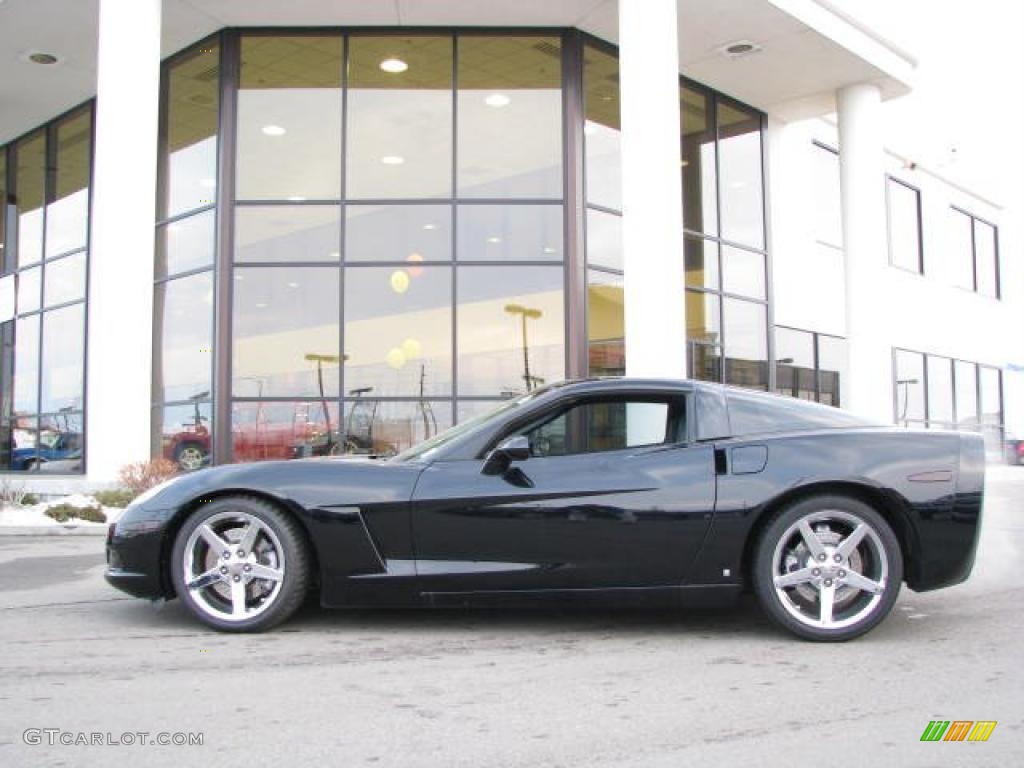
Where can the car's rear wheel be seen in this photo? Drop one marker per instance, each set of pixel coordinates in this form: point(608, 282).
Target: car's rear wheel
point(827, 568)
point(240, 564)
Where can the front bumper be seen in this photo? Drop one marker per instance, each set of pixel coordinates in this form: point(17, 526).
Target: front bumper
point(136, 546)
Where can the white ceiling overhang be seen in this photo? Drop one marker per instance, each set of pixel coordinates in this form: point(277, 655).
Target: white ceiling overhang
point(808, 48)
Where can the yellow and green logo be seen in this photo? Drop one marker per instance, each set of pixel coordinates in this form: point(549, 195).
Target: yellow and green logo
point(958, 730)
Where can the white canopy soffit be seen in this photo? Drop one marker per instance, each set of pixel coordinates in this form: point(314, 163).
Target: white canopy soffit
point(807, 48)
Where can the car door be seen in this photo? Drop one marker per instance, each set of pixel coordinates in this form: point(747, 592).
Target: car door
point(614, 494)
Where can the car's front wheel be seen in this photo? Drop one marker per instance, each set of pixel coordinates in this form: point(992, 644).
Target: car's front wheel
point(240, 564)
point(828, 568)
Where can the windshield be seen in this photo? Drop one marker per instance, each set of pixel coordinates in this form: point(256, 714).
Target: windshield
point(427, 447)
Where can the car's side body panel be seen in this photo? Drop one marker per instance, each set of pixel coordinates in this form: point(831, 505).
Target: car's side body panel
point(635, 524)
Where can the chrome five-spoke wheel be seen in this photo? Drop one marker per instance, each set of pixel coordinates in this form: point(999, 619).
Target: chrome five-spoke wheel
point(828, 568)
point(240, 564)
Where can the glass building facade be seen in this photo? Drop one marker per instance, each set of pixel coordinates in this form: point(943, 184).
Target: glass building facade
point(364, 237)
point(45, 182)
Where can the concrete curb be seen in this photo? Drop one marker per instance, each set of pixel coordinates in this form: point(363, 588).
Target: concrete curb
point(53, 530)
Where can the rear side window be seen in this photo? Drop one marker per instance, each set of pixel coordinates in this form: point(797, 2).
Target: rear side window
point(752, 414)
point(614, 424)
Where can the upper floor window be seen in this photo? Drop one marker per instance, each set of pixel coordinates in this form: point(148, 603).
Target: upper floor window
point(903, 203)
point(975, 254)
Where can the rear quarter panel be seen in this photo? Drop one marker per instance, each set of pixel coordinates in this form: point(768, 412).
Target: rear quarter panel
point(911, 477)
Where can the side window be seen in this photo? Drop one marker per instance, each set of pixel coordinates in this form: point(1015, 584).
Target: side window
point(608, 425)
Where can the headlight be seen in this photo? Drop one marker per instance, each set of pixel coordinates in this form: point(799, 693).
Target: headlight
point(144, 497)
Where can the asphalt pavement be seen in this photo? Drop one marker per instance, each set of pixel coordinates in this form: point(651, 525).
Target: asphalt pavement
point(505, 688)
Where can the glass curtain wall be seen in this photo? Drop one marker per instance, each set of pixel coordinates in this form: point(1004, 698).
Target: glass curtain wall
point(726, 260)
point(46, 180)
point(387, 213)
point(183, 344)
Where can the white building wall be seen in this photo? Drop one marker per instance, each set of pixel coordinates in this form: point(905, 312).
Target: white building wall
point(927, 313)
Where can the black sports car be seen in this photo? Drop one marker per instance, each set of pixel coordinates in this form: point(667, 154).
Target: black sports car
point(639, 490)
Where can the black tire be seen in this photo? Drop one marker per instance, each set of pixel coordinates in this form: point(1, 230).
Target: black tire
point(295, 580)
point(786, 610)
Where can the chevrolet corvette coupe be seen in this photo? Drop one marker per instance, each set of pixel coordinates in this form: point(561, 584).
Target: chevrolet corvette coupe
point(661, 492)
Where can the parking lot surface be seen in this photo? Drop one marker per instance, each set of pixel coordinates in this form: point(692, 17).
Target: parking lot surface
point(509, 688)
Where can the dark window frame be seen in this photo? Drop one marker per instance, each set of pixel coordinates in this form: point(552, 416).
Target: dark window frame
point(974, 221)
point(890, 180)
point(816, 337)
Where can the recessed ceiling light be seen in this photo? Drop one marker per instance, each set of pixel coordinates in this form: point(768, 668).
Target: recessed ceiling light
point(335, 254)
point(497, 100)
point(549, 249)
point(261, 305)
point(738, 48)
point(39, 57)
point(494, 240)
point(394, 66)
point(430, 227)
point(293, 285)
point(392, 160)
point(274, 130)
point(296, 198)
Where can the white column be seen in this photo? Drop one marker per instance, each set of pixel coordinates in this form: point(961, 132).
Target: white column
point(121, 252)
point(652, 210)
point(868, 387)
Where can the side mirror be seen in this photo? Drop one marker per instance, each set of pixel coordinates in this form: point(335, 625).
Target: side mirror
point(516, 448)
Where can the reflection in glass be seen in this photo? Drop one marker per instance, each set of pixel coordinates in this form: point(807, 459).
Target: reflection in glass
point(63, 358)
point(184, 434)
point(398, 331)
point(285, 332)
point(991, 397)
point(701, 262)
point(704, 336)
point(986, 259)
point(604, 239)
point(940, 392)
point(399, 138)
point(794, 363)
point(743, 272)
point(183, 320)
point(29, 287)
point(909, 388)
point(26, 365)
point(185, 244)
point(21, 443)
point(510, 117)
point(510, 233)
point(832, 363)
point(60, 443)
point(967, 416)
point(904, 205)
point(470, 409)
point(188, 161)
point(65, 279)
point(289, 118)
point(385, 428)
point(30, 177)
point(412, 233)
point(287, 233)
point(601, 131)
point(700, 207)
point(746, 343)
point(265, 431)
point(739, 163)
point(511, 329)
point(67, 215)
point(605, 324)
